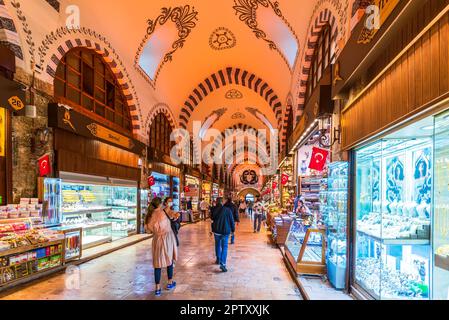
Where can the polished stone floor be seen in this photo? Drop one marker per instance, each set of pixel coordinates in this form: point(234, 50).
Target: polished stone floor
point(256, 271)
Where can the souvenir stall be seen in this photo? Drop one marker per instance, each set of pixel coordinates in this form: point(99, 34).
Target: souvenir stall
point(164, 182)
point(287, 186)
point(191, 192)
point(91, 189)
point(206, 189)
point(215, 191)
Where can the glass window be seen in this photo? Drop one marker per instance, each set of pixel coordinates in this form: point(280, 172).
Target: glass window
point(393, 212)
point(84, 78)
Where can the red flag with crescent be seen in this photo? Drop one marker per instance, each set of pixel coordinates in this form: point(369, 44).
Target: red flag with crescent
point(151, 181)
point(284, 179)
point(274, 185)
point(44, 166)
point(319, 158)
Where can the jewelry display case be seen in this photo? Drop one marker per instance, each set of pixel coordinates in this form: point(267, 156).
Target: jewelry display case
point(393, 218)
point(104, 212)
point(441, 209)
point(144, 202)
point(310, 190)
point(305, 248)
point(335, 214)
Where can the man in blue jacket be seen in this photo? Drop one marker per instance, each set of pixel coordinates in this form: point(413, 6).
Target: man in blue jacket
point(223, 225)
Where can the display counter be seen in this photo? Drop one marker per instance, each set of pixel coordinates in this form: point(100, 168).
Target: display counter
point(305, 248)
point(25, 252)
point(104, 209)
point(281, 225)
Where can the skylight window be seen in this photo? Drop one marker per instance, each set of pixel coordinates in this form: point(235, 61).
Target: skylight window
point(279, 32)
point(155, 49)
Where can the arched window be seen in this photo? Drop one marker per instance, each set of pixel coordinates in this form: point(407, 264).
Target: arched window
point(83, 80)
point(321, 60)
point(160, 132)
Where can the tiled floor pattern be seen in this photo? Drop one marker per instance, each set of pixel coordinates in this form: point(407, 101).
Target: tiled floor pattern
point(256, 271)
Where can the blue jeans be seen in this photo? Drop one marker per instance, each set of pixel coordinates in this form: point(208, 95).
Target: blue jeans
point(158, 274)
point(232, 238)
point(221, 248)
point(257, 222)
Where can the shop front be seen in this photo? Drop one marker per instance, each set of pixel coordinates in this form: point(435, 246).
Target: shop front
point(191, 193)
point(397, 133)
point(93, 184)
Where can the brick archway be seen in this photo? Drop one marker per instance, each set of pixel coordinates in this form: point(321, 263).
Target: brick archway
point(226, 77)
point(58, 43)
point(9, 37)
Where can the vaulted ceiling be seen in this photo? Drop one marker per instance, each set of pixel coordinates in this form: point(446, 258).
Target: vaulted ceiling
point(223, 62)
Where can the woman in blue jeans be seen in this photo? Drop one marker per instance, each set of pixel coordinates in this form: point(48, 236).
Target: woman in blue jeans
point(223, 225)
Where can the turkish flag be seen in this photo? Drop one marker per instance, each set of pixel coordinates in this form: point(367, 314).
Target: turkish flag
point(274, 185)
point(318, 160)
point(44, 166)
point(186, 189)
point(151, 181)
point(284, 179)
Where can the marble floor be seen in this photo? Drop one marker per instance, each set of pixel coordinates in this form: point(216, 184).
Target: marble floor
point(256, 272)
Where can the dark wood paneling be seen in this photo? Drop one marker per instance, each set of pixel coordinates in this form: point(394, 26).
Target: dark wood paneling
point(419, 77)
point(81, 155)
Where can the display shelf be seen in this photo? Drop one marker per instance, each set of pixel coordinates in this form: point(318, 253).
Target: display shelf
point(93, 241)
point(29, 248)
point(86, 211)
point(404, 241)
point(121, 219)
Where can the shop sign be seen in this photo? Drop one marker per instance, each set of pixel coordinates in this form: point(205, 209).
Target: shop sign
point(318, 159)
point(2, 132)
point(151, 181)
point(376, 16)
point(12, 96)
point(44, 166)
point(63, 117)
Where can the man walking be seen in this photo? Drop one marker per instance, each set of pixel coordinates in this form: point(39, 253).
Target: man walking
point(250, 208)
point(235, 214)
point(258, 214)
point(223, 225)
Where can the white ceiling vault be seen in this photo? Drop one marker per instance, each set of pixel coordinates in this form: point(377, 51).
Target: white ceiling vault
point(187, 58)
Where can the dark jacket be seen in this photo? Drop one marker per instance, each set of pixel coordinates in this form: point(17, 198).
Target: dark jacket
point(235, 212)
point(223, 221)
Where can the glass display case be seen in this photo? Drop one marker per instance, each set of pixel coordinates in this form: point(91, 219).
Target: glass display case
point(161, 187)
point(192, 191)
point(144, 203)
point(393, 218)
point(335, 214)
point(175, 193)
point(305, 248)
point(104, 212)
point(441, 209)
point(50, 190)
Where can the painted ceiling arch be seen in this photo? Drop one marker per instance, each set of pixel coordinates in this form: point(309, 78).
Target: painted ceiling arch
point(229, 77)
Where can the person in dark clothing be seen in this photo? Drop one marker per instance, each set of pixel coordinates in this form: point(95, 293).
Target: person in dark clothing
point(190, 209)
point(223, 225)
point(235, 214)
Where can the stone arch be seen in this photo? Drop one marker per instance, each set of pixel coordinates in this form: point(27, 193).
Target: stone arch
point(243, 193)
point(9, 36)
point(330, 12)
point(288, 109)
point(226, 77)
point(58, 43)
point(159, 108)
